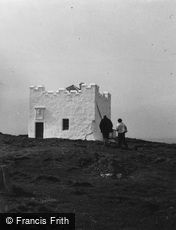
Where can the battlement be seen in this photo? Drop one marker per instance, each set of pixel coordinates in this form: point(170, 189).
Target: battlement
point(91, 85)
point(105, 95)
point(38, 88)
point(64, 91)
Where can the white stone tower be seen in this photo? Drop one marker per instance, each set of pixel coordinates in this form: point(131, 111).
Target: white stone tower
point(67, 113)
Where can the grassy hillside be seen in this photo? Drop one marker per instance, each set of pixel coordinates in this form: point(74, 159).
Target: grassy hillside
point(106, 187)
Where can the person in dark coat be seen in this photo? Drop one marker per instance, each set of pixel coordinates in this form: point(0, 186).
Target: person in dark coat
point(106, 128)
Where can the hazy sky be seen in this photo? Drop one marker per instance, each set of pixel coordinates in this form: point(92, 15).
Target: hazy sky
point(127, 47)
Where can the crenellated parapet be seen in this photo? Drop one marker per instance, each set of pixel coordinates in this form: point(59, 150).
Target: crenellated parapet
point(64, 91)
point(105, 95)
point(38, 88)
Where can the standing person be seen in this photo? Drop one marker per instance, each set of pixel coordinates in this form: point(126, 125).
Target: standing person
point(106, 128)
point(121, 129)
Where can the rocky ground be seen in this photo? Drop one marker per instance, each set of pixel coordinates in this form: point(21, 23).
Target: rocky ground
point(106, 187)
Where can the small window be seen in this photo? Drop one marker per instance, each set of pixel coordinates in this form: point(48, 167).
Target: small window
point(65, 124)
point(39, 113)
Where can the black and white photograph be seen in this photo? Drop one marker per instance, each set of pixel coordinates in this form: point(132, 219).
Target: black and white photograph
point(88, 114)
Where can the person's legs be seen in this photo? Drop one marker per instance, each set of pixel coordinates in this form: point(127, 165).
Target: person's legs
point(105, 137)
point(120, 138)
point(124, 140)
point(104, 140)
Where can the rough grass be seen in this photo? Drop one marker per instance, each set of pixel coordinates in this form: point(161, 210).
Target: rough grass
point(137, 189)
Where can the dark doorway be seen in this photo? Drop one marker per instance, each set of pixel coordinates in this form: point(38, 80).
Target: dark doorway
point(65, 124)
point(39, 130)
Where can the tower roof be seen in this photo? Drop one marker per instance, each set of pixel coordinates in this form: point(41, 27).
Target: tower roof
point(72, 87)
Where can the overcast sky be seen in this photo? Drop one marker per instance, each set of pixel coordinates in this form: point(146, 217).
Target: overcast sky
point(127, 47)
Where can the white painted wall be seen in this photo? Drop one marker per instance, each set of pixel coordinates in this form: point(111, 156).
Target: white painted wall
point(79, 107)
point(102, 107)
